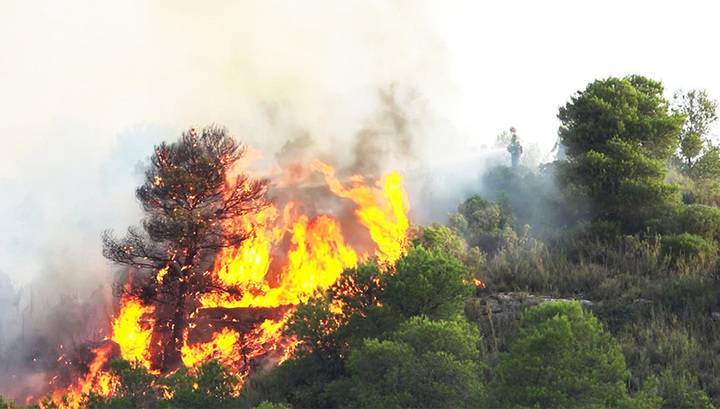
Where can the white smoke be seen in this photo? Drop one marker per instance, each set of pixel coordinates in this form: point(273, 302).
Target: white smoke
point(93, 87)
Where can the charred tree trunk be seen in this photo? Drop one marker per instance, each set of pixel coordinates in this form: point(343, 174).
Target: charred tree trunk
point(178, 323)
point(173, 346)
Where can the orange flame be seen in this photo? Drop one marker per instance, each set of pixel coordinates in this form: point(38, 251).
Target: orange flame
point(388, 224)
point(131, 333)
point(286, 259)
point(95, 380)
point(220, 347)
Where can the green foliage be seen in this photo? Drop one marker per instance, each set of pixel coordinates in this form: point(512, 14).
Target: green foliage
point(632, 109)
point(482, 223)
point(618, 134)
point(561, 358)
point(438, 237)
point(365, 331)
point(520, 264)
point(314, 324)
point(700, 112)
point(708, 165)
point(666, 354)
point(383, 375)
point(700, 220)
point(211, 385)
point(427, 283)
point(135, 388)
point(623, 184)
point(705, 191)
point(691, 145)
point(299, 382)
point(457, 338)
point(688, 247)
point(425, 364)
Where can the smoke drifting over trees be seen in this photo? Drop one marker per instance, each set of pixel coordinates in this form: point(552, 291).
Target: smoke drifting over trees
point(365, 88)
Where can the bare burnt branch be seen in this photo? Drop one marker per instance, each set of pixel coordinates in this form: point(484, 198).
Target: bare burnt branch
point(133, 250)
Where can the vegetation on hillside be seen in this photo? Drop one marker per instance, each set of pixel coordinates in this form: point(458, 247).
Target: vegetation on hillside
point(628, 224)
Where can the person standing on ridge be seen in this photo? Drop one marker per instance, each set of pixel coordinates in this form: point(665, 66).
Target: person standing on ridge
point(514, 148)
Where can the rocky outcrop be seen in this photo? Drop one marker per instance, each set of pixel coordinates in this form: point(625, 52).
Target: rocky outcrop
point(511, 304)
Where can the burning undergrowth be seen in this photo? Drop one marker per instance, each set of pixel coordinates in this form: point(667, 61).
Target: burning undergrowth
point(227, 296)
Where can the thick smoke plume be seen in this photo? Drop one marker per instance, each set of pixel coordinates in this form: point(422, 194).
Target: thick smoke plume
point(351, 84)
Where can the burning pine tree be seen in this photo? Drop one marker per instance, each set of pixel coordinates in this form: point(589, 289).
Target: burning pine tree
point(218, 269)
point(188, 200)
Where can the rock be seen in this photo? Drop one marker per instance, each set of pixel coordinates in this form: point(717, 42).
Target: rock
point(509, 304)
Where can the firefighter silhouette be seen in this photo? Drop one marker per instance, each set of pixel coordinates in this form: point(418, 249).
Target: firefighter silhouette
point(514, 148)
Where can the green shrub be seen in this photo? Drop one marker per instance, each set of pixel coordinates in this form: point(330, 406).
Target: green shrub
point(665, 353)
point(688, 247)
point(561, 358)
point(700, 220)
point(424, 364)
point(438, 237)
point(427, 283)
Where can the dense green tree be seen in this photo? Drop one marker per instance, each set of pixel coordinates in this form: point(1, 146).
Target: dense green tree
point(427, 283)
point(619, 134)
point(632, 109)
point(561, 358)
point(371, 302)
point(365, 303)
point(698, 157)
point(424, 364)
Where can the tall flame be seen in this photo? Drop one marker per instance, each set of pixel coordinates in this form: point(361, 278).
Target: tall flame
point(387, 222)
point(132, 331)
point(287, 258)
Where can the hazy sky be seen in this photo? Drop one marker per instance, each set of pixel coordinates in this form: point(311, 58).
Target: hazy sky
point(88, 87)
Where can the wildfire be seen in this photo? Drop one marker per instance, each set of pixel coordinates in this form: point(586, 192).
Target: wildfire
point(132, 331)
point(318, 252)
point(95, 380)
point(387, 220)
point(220, 347)
point(287, 257)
